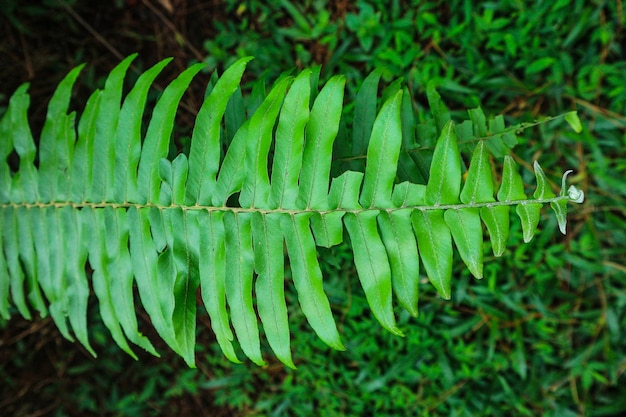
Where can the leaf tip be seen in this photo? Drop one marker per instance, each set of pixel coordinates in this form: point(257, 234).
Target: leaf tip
point(572, 119)
point(575, 195)
point(338, 345)
point(396, 331)
point(444, 292)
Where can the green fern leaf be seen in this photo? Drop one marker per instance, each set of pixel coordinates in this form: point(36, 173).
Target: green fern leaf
point(104, 194)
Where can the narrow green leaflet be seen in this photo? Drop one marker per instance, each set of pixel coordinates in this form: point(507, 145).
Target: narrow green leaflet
point(74, 238)
point(240, 261)
point(512, 186)
point(435, 246)
point(327, 228)
point(292, 122)
point(344, 191)
point(560, 210)
point(372, 266)
point(29, 259)
point(212, 268)
point(478, 187)
point(479, 122)
point(6, 145)
point(16, 275)
point(231, 176)
point(58, 285)
point(81, 174)
point(465, 224)
point(365, 113)
point(234, 116)
point(497, 221)
point(382, 155)
point(256, 186)
point(572, 119)
point(4, 283)
point(320, 134)
point(560, 207)
point(204, 156)
point(269, 264)
point(401, 247)
point(128, 137)
point(158, 304)
point(186, 278)
point(529, 214)
point(467, 232)
point(157, 138)
point(444, 184)
point(102, 278)
point(512, 189)
point(543, 191)
point(307, 278)
point(101, 155)
point(441, 113)
point(25, 181)
point(56, 143)
point(122, 280)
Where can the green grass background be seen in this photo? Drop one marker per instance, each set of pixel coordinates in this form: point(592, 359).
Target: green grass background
point(540, 335)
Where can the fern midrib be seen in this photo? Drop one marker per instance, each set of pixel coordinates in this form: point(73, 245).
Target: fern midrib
point(264, 211)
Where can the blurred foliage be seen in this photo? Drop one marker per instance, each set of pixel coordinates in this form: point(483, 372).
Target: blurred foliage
point(521, 54)
point(541, 334)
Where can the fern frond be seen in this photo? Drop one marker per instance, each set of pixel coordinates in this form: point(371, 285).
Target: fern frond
point(104, 194)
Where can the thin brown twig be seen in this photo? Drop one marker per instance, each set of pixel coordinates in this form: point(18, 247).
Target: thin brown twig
point(114, 51)
point(171, 27)
point(598, 109)
point(92, 31)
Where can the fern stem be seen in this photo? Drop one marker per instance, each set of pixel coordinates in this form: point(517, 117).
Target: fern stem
point(60, 204)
